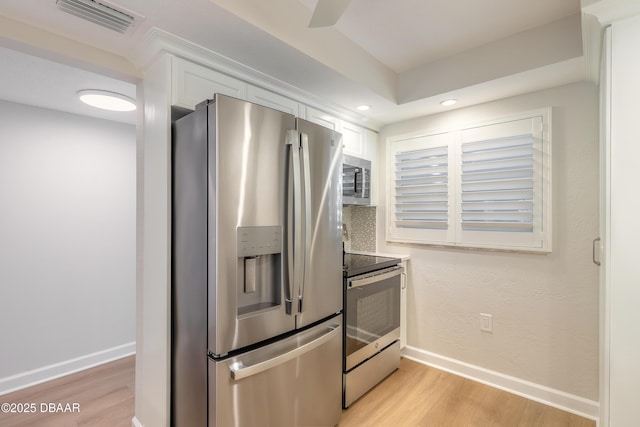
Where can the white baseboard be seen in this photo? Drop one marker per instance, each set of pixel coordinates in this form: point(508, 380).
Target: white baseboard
point(539, 393)
point(46, 373)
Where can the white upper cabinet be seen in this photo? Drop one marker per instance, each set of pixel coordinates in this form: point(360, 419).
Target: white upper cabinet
point(353, 139)
point(370, 145)
point(357, 141)
point(322, 118)
point(371, 153)
point(263, 97)
point(194, 83)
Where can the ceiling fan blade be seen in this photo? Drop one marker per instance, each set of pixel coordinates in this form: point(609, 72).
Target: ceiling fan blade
point(327, 12)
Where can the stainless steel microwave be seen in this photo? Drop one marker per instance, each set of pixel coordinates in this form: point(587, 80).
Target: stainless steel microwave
point(356, 181)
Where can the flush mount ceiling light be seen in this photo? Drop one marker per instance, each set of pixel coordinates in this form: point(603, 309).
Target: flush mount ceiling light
point(107, 100)
point(364, 107)
point(448, 102)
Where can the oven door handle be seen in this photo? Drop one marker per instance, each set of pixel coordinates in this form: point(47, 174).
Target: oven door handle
point(396, 271)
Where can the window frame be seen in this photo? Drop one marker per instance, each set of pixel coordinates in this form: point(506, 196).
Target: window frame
point(539, 240)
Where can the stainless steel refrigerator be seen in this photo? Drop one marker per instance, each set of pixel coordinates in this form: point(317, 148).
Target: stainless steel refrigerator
point(256, 268)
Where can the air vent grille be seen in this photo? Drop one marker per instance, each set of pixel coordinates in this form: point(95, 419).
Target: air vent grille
point(98, 13)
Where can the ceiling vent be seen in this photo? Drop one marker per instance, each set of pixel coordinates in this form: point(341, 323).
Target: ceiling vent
point(101, 13)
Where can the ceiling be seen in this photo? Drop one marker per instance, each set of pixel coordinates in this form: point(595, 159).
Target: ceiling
point(401, 57)
point(31, 80)
point(405, 34)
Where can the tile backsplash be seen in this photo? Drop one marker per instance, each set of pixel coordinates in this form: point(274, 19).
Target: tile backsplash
point(359, 228)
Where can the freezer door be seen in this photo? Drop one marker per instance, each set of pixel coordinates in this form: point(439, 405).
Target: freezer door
point(290, 383)
point(320, 291)
point(248, 182)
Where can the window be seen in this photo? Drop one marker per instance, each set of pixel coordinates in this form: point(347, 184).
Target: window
point(483, 186)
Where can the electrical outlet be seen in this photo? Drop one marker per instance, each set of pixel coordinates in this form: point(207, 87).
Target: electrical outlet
point(486, 322)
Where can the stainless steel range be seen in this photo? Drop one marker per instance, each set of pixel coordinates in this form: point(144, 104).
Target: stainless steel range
point(371, 336)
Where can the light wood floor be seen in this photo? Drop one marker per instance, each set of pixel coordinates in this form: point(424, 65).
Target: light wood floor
point(414, 395)
point(105, 395)
point(418, 395)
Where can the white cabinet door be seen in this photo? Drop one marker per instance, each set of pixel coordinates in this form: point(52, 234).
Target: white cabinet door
point(194, 83)
point(273, 100)
point(353, 139)
point(370, 145)
point(322, 118)
point(371, 153)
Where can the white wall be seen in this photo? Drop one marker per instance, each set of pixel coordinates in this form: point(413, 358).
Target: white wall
point(67, 242)
point(624, 280)
point(544, 307)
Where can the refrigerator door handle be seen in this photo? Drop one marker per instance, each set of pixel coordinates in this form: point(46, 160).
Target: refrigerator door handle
point(306, 170)
point(239, 371)
point(294, 249)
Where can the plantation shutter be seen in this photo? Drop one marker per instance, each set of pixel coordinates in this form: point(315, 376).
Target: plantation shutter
point(503, 191)
point(421, 188)
point(497, 184)
point(483, 186)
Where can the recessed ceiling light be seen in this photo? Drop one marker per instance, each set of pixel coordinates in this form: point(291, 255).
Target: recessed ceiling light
point(363, 107)
point(107, 100)
point(448, 102)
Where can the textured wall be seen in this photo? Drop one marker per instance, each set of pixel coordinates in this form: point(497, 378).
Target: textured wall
point(544, 307)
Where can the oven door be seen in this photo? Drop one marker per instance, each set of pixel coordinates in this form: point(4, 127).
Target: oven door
point(372, 313)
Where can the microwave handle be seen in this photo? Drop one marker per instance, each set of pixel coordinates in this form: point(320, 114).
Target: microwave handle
point(356, 171)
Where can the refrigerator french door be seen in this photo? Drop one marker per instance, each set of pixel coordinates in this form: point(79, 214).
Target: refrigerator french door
point(256, 264)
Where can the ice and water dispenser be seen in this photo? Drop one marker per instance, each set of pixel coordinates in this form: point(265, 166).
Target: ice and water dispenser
point(259, 268)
